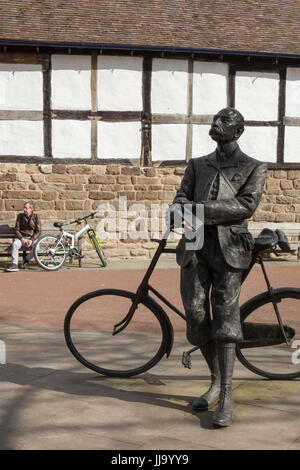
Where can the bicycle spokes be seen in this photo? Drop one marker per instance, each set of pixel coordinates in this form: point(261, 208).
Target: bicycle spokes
point(265, 334)
point(274, 301)
point(264, 349)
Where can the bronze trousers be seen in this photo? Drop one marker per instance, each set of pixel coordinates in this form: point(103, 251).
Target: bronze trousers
point(209, 280)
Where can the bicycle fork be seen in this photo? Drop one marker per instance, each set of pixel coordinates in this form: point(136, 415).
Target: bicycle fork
point(92, 234)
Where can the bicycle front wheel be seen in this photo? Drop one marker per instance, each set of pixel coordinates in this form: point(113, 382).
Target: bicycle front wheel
point(50, 253)
point(260, 325)
point(88, 328)
point(98, 249)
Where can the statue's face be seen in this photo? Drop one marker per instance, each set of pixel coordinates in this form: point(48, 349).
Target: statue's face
point(225, 126)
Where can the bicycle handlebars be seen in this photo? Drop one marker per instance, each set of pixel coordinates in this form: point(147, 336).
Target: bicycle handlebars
point(76, 221)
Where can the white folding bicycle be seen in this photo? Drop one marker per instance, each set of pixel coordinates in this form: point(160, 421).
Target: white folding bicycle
point(50, 252)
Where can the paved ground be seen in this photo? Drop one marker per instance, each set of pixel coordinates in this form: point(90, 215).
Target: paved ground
point(50, 401)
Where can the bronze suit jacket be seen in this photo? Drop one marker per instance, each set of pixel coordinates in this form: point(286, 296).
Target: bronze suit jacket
point(241, 185)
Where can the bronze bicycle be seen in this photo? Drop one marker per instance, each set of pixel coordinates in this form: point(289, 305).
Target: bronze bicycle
point(121, 334)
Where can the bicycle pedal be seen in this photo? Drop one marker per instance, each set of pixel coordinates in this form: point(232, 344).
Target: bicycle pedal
point(186, 357)
point(186, 360)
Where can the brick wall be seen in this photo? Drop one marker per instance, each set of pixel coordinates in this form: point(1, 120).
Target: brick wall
point(64, 192)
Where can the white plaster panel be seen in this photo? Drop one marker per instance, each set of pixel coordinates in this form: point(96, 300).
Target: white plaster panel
point(120, 83)
point(209, 87)
point(169, 141)
point(202, 142)
point(71, 82)
point(292, 144)
point(21, 87)
point(257, 95)
point(24, 138)
point(169, 85)
point(293, 92)
point(71, 138)
point(260, 143)
point(119, 139)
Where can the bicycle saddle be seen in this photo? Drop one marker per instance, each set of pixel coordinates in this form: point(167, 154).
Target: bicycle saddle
point(58, 224)
point(269, 238)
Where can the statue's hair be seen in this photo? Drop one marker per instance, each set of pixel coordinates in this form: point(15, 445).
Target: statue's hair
point(239, 117)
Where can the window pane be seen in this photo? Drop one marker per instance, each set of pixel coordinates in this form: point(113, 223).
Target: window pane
point(209, 87)
point(257, 95)
point(120, 83)
point(202, 142)
point(25, 138)
point(292, 144)
point(293, 92)
point(169, 141)
point(21, 87)
point(169, 86)
point(260, 143)
point(119, 140)
point(71, 82)
point(71, 138)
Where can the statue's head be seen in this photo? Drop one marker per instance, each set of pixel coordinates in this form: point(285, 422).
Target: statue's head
point(227, 126)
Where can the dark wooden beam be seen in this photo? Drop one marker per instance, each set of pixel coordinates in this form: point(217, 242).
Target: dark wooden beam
point(21, 58)
point(47, 106)
point(231, 87)
point(94, 98)
point(281, 113)
point(262, 123)
point(109, 116)
point(146, 144)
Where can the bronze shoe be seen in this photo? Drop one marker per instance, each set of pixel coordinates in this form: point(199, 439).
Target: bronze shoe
point(209, 398)
point(223, 414)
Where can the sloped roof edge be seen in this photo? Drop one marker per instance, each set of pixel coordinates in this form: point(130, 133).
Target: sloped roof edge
point(144, 48)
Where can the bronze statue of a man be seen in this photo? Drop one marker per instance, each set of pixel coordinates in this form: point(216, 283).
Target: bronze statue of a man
point(229, 184)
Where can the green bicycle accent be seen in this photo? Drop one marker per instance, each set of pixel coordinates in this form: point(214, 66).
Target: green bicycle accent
point(93, 237)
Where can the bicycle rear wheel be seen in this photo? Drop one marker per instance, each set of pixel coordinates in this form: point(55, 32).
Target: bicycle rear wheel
point(50, 253)
point(259, 322)
point(88, 329)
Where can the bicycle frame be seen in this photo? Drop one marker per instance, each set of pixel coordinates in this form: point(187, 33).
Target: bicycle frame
point(74, 236)
point(144, 288)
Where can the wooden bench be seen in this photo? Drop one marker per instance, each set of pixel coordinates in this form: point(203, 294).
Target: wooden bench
point(8, 233)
